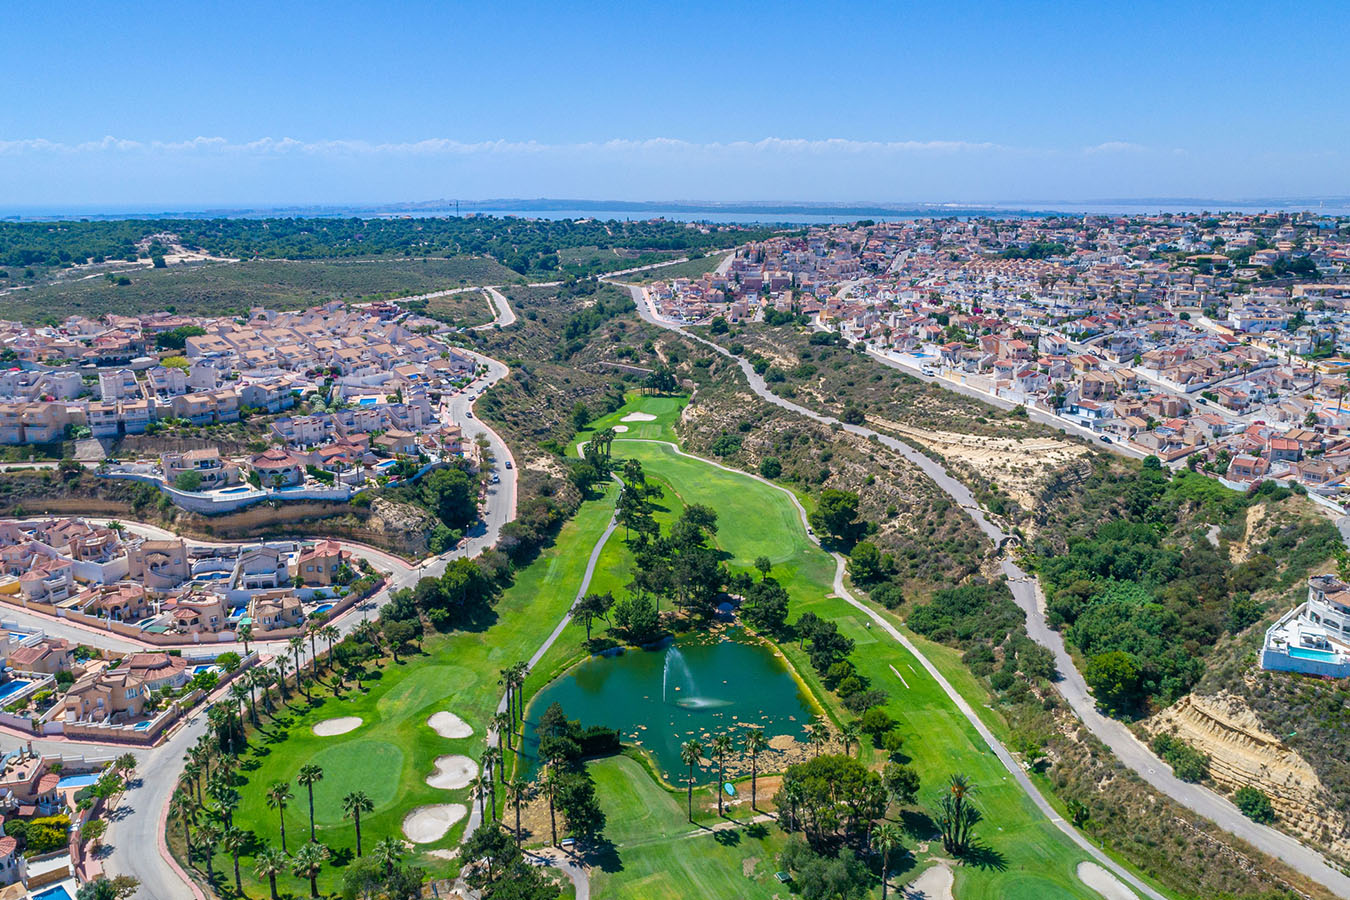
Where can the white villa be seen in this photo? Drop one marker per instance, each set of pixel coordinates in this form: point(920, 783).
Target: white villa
point(1313, 638)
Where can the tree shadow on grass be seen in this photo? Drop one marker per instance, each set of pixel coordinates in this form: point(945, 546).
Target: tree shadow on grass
point(982, 856)
point(728, 837)
point(757, 830)
point(918, 824)
point(603, 856)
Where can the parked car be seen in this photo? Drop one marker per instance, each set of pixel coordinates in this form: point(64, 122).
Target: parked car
point(508, 463)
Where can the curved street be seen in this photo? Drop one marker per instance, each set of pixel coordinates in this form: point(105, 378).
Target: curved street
point(1128, 749)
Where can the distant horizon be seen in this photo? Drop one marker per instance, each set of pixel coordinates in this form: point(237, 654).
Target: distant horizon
point(686, 208)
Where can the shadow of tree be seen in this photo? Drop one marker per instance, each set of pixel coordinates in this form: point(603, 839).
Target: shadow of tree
point(982, 856)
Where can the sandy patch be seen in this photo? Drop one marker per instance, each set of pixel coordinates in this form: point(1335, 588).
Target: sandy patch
point(638, 417)
point(430, 823)
point(1019, 465)
point(934, 884)
point(452, 772)
point(449, 725)
point(1103, 882)
point(341, 725)
point(441, 853)
point(620, 428)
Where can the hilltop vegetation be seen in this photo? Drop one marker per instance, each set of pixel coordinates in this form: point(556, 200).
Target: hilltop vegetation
point(223, 288)
point(526, 246)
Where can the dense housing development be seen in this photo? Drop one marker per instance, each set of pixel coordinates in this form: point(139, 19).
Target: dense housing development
point(1209, 341)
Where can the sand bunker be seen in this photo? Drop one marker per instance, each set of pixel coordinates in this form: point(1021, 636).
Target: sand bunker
point(1103, 882)
point(430, 823)
point(449, 725)
point(934, 884)
point(638, 417)
point(452, 772)
point(341, 725)
point(620, 428)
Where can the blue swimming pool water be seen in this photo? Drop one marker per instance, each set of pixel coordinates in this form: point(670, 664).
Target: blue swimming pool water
point(141, 726)
point(211, 576)
point(197, 670)
point(323, 608)
point(12, 687)
point(77, 781)
point(237, 490)
point(53, 893)
point(368, 401)
point(1305, 653)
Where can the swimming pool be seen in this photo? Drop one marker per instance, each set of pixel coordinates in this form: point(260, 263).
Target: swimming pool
point(367, 401)
point(77, 781)
point(323, 608)
point(237, 490)
point(12, 687)
point(197, 670)
point(53, 893)
point(1327, 656)
point(141, 726)
point(211, 576)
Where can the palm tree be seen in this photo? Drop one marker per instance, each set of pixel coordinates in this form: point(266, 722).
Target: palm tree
point(245, 634)
point(126, 764)
point(755, 744)
point(478, 793)
point(507, 680)
point(354, 804)
point(548, 785)
point(278, 795)
point(505, 728)
point(820, 736)
point(312, 629)
point(518, 673)
point(793, 796)
point(235, 840)
point(957, 816)
point(886, 840)
point(850, 734)
point(308, 863)
point(721, 746)
point(389, 852)
point(207, 835)
point(297, 646)
point(309, 776)
point(184, 809)
point(691, 751)
point(330, 634)
point(282, 666)
point(193, 773)
point(518, 791)
point(239, 694)
point(269, 864)
point(258, 681)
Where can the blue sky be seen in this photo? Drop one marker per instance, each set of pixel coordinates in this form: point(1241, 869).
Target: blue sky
point(271, 103)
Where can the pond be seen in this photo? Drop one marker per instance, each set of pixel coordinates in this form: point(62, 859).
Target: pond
point(696, 686)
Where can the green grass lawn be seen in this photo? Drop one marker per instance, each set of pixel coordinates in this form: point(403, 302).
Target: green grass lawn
point(694, 268)
point(658, 858)
point(657, 854)
point(392, 752)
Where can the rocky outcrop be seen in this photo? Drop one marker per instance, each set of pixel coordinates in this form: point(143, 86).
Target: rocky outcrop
point(1243, 754)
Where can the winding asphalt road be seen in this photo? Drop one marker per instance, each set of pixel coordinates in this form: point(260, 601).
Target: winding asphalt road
point(1128, 749)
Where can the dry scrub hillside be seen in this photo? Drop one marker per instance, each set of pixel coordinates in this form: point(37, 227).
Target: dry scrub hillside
point(932, 540)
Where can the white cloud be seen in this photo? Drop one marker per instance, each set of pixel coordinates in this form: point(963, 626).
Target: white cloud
point(1116, 147)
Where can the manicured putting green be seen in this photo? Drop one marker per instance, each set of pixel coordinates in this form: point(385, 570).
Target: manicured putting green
point(365, 765)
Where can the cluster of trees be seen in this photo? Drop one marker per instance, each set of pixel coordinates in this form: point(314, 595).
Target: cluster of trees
point(840, 806)
point(526, 245)
point(1144, 600)
point(609, 303)
point(463, 593)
